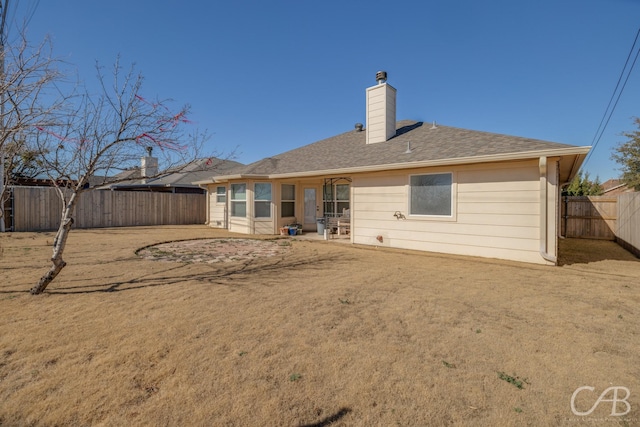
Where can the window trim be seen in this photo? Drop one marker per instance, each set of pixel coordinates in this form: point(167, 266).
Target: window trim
point(283, 200)
point(454, 198)
point(334, 211)
point(232, 200)
point(269, 201)
point(218, 201)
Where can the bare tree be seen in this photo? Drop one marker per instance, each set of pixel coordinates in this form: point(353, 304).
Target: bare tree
point(27, 100)
point(105, 133)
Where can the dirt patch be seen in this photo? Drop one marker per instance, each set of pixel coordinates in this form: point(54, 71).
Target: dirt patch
point(211, 251)
point(321, 333)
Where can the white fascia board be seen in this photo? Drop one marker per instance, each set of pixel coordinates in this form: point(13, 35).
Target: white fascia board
point(226, 178)
point(523, 155)
point(443, 162)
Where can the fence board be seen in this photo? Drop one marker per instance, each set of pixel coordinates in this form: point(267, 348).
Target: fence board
point(592, 217)
point(628, 224)
point(39, 209)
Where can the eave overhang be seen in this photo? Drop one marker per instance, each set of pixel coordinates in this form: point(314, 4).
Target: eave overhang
point(579, 152)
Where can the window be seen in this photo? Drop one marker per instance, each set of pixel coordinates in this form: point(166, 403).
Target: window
point(221, 194)
point(342, 197)
point(239, 200)
point(336, 198)
point(431, 194)
point(288, 200)
point(262, 200)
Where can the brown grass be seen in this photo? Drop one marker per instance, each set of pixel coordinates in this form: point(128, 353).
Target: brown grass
point(321, 333)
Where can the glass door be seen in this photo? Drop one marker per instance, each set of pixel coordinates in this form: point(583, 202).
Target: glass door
point(310, 209)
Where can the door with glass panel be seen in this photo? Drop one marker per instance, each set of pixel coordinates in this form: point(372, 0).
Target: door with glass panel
point(311, 209)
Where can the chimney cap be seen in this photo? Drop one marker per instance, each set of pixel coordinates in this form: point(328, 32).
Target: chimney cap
point(381, 77)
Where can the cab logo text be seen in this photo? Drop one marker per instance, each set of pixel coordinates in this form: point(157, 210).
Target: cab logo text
point(616, 396)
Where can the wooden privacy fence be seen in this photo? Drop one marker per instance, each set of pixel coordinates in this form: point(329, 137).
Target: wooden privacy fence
point(589, 217)
point(628, 227)
point(40, 208)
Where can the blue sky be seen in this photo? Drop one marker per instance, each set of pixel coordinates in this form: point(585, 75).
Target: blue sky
point(267, 77)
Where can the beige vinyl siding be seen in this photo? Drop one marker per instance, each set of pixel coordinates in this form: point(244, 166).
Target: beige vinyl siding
point(264, 227)
point(245, 225)
point(217, 211)
point(496, 212)
point(239, 225)
point(380, 113)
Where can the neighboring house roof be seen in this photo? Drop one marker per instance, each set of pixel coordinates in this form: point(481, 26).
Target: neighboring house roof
point(39, 182)
point(415, 144)
point(615, 186)
point(97, 180)
point(183, 177)
point(132, 173)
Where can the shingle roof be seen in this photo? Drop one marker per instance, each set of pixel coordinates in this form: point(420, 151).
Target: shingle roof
point(350, 150)
point(197, 170)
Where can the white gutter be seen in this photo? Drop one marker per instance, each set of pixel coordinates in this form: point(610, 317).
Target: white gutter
point(544, 212)
point(574, 169)
point(225, 178)
point(410, 165)
point(207, 221)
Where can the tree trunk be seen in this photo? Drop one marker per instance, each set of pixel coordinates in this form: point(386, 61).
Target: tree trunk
point(58, 248)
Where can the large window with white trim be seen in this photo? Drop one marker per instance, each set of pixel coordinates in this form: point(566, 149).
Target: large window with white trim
point(288, 200)
point(262, 199)
point(431, 194)
point(239, 200)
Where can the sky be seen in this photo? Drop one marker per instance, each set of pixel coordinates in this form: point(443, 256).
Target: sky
point(267, 77)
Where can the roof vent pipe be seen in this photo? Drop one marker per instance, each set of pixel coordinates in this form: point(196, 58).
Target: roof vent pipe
point(408, 148)
point(359, 127)
point(381, 77)
point(433, 126)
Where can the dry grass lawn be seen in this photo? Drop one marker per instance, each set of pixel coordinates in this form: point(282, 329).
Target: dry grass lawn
point(317, 333)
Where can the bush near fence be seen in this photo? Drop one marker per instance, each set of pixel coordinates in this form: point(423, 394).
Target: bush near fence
point(40, 208)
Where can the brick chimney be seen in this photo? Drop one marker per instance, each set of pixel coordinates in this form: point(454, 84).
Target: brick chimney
point(381, 110)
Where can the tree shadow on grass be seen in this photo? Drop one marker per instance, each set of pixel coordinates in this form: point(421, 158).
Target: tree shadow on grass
point(225, 276)
point(329, 420)
point(584, 251)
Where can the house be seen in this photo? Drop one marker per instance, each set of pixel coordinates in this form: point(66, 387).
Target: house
point(409, 185)
point(613, 187)
point(147, 178)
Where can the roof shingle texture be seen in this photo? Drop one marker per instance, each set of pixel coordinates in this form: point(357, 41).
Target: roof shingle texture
point(196, 170)
point(350, 150)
